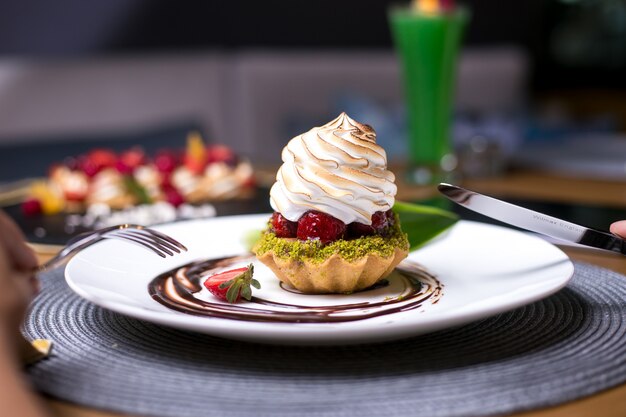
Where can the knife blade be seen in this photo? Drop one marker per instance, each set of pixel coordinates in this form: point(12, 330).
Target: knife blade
point(532, 220)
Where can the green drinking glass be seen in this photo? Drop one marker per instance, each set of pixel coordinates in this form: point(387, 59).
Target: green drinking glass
point(428, 48)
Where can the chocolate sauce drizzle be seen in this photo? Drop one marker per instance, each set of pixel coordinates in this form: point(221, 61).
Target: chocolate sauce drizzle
point(176, 289)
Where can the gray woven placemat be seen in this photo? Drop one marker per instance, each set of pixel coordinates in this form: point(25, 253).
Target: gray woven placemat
point(567, 346)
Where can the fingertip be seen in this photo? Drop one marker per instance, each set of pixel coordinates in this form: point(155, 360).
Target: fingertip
point(618, 228)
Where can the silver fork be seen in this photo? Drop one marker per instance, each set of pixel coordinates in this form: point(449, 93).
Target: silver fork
point(158, 242)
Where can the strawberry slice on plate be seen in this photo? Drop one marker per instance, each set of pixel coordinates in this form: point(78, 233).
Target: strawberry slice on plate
point(232, 285)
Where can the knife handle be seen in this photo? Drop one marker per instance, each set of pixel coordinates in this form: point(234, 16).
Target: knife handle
point(603, 240)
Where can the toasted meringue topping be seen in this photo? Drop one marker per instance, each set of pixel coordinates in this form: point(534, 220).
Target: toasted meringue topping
point(337, 169)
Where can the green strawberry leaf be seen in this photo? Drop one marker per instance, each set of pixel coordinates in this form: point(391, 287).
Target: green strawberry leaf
point(227, 284)
point(233, 291)
point(422, 223)
point(240, 285)
point(246, 292)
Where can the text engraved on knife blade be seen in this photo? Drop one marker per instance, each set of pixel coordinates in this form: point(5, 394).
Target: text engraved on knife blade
point(565, 225)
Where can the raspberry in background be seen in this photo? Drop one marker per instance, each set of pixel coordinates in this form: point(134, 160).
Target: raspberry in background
point(31, 207)
point(97, 160)
point(129, 160)
point(173, 197)
point(166, 161)
point(221, 153)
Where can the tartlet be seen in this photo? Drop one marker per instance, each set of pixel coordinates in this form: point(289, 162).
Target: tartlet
point(333, 229)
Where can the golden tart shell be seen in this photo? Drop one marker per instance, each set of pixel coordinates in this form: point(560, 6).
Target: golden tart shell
point(333, 275)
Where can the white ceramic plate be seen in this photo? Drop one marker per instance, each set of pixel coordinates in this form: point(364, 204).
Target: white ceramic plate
point(485, 270)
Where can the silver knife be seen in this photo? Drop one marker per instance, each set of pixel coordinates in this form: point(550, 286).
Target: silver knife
point(531, 220)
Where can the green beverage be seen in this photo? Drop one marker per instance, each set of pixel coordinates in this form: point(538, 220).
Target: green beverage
point(428, 45)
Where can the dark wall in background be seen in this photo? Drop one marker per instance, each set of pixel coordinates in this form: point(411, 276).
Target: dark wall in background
point(572, 43)
point(78, 27)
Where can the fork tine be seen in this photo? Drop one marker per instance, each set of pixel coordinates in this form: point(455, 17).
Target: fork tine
point(148, 234)
point(158, 242)
point(146, 244)
point(144, 240)
point(165, 237)
point(168, 239)
point(138, 242)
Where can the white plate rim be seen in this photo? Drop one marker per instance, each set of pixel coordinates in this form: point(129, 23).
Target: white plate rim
point(320, 334)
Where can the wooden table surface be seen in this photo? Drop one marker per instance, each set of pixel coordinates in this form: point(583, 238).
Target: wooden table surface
point(520, 185)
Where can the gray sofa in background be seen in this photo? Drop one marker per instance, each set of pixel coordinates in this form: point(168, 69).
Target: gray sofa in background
point(254, 101)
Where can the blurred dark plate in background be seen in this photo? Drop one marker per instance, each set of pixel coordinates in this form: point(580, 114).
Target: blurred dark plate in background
point(32, 158)
point(53, 229)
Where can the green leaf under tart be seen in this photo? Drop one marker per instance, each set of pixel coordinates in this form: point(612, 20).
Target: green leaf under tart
point(422, 223)
point(250, 238)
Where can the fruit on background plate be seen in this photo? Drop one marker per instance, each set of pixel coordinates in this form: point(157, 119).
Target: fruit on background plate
point(201, 173)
